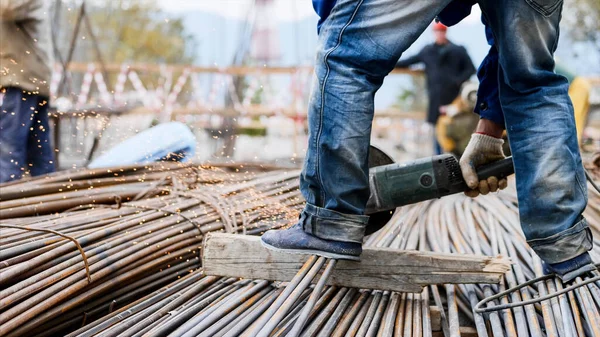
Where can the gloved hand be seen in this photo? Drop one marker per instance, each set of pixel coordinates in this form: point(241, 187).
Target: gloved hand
point(482, 149)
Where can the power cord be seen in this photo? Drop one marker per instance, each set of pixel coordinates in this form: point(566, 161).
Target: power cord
point(479, 310)
point(589, 178)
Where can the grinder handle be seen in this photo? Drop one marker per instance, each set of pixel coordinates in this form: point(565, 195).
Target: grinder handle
point(500, 169)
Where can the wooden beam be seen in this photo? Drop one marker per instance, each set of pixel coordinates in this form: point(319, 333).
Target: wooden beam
point(381, 268)
point(251, 111)
point(79, 67)
point(285, 112)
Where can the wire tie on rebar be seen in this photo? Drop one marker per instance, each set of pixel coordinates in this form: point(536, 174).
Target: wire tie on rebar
point(153, 185)
point(167, 212)
point(479, 310)
point(120, 204)
point(81, 208)
point(85, 261)
point(212, 202)
point(118, 201)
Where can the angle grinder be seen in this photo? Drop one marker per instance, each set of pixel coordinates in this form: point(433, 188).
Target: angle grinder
point(394, 185)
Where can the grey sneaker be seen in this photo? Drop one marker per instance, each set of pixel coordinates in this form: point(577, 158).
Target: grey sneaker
point(568, 270)
point(296, 241)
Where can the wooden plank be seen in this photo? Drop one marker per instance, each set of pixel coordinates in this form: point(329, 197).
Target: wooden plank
point(381, 268)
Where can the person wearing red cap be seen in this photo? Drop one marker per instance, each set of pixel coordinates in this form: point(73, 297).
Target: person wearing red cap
point(439, 27)
point(447, 67)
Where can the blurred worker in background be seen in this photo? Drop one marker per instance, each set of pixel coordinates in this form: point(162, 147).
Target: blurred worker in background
point(25, 71)
point(457, 121)
point(447, 67)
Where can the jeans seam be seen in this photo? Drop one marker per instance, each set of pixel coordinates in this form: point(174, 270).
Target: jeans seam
point(562, 249)
point(581, 188)
point(582, 224)
point(319, 212)
point(544, 12)
point(320, 132)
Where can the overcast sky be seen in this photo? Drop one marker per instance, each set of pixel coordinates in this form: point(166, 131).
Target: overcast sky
point(284, 10)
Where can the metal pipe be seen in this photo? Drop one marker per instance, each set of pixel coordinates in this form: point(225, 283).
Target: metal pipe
point(266, 330)
point(312, 300)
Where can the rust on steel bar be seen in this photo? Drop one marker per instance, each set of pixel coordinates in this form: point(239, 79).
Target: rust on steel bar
point(109, 246)
point(83, 256)
point(142, 288)
point(297, 290)
point(299, 325)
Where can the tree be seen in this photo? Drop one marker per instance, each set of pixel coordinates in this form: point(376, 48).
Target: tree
point(117, 32)
point(413, 98)
point(127, 31)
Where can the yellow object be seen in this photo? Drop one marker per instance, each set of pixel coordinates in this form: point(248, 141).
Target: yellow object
point(453, 129)
point(446, 143)
point(579, 92)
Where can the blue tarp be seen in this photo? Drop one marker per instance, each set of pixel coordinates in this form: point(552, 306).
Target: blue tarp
point(151, 145)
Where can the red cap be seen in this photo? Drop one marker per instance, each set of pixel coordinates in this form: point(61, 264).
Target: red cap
point(439, 26)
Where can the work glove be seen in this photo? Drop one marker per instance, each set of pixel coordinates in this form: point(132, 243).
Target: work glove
point(569, 270)
point(449, 110)
point(482, 149)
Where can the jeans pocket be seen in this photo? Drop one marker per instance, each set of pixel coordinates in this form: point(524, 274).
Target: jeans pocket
point(545, 7)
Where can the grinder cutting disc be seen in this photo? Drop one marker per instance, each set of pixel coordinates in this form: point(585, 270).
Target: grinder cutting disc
point(379, 219)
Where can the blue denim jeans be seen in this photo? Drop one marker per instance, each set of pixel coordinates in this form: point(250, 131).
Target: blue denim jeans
point(24, 135)
point(359, 44)
point(540, 123)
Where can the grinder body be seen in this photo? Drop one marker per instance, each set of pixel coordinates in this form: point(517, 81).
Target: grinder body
point(400, 184)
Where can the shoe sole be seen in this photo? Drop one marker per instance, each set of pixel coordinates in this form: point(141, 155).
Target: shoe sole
point(328, 255)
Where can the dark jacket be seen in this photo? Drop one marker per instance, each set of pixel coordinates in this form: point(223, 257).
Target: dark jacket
point(447, 67)
point(323, 8)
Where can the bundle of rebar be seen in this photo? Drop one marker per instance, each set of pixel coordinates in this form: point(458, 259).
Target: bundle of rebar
point(488, 225)
point(61, 270)
point(64, 190)
point(172, 297)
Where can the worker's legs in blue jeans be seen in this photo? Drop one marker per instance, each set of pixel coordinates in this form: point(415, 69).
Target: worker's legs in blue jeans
point(359, 44)
point(540, 123)
point(24, 135)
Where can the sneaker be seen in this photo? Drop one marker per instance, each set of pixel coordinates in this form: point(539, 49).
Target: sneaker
point(294, 240)
point(568, 270)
